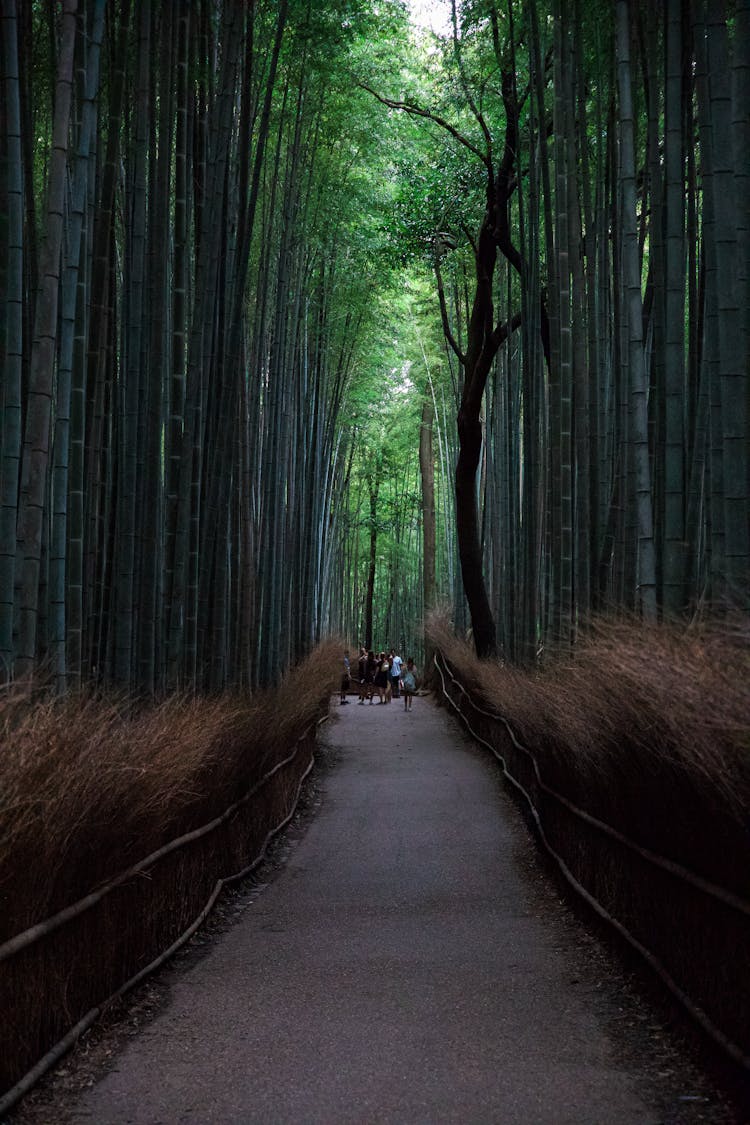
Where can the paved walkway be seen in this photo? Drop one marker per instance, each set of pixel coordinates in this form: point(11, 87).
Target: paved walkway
point(398, 969)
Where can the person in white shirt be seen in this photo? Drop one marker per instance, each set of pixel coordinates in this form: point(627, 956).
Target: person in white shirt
point(396, 663)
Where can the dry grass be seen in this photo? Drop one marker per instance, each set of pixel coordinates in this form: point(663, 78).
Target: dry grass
point(647, 728)
point(89, 787)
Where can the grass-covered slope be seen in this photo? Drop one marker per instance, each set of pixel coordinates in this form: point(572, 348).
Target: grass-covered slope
point(646, 728)
point(633, 758)
point(119, 824)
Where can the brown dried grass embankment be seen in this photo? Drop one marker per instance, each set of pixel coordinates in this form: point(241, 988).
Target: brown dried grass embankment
point(646, 728)
point(90, 786)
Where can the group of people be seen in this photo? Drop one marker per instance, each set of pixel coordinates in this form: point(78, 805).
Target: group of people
point(383, 674)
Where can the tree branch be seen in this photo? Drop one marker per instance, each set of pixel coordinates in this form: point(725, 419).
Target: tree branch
point(465, 85)
point(504, 173)
point(471, 239)
point(504, 330)
point(444, 315)
point(417, 111)
point(474, 391)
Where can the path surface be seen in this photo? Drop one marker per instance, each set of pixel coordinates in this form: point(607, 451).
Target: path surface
point(398, 969)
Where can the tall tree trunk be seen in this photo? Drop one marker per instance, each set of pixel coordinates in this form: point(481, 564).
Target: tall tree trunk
point(34, 466)
point(12, 353)
point(211, 223)
point(741, 142)
point(373, 487)
point(179, 321)
point(89, 87)
point(427, 470)
point(130, 446)
point(638, 439)
point(674, 566)
point(733, 358)
point(90, 486)
point(563, 463)
point(156, 362)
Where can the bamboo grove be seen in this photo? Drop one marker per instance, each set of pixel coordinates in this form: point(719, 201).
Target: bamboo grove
point(310, 321)
point(182, 304)
point(590, 249)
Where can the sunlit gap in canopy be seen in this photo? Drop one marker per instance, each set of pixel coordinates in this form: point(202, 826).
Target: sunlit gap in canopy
point(402, 384)
point(432, 15)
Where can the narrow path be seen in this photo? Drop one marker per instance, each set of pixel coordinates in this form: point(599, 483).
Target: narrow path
point(399, 968)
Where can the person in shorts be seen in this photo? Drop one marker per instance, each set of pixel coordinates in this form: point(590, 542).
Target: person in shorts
point(409, 682)
point(382, 678)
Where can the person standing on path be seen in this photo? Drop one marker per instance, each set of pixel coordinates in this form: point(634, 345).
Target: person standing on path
point(345, 678)
point(381, 678)
point(396, 663)
point(362, 674)
point(409, 680)
point(372, 667)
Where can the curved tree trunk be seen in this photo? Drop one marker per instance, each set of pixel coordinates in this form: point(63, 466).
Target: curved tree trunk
point(467, 532)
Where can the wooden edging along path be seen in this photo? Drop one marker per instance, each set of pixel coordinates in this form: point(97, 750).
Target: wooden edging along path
point(408, 962)
point(179, 891)
point(692, 933)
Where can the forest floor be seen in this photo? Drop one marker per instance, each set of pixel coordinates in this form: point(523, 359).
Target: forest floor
point(404, 957)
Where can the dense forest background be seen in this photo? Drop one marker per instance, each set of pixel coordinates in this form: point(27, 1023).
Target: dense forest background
point(311, 320)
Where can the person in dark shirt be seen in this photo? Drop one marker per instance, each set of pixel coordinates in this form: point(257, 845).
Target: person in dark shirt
point(362, 665)
point(345, 678)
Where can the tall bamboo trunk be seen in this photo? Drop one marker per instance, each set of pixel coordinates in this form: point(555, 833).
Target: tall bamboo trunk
point(733, 354)
point(130, 446)
point(89, 86)
point(373, 487)
point(638, 438)
point(676, 391)
point(34, 466)
point(210, 214)
point(563, 463)
point(427, 470)
point(11, 354)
